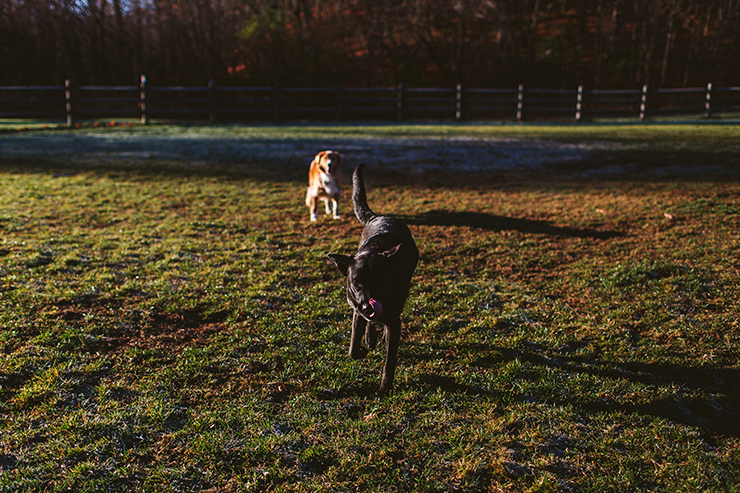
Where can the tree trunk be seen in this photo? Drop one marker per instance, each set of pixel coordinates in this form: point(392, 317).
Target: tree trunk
point(666, 52)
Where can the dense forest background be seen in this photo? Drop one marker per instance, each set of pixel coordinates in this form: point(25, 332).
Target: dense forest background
point(364, 43)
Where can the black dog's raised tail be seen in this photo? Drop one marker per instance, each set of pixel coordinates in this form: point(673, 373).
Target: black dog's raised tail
point(362, 210)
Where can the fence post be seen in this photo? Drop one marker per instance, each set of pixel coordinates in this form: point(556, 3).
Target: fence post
point(142, 101)
point(68, 101)
point(399, 102)
point(643, 103)
point(458, 103)
point(579, 104)
point(520, 103)
point(277, 102)
point(708, 104)
point(211, 101)
point(339, 102)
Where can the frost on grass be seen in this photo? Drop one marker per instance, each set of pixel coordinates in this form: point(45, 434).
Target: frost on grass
point(414, 155)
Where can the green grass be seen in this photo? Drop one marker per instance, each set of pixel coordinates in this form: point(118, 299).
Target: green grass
point(8, 125)
point(171, 327)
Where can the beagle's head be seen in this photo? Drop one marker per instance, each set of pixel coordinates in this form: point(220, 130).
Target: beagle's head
point(328, 162)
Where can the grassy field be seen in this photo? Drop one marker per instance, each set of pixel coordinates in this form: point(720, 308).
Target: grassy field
point(169, 320)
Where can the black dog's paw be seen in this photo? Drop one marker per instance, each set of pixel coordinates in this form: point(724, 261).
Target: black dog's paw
point(385, 391)
point(358, 353)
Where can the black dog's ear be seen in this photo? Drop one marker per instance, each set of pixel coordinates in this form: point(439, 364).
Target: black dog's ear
point(392, 251)
point(341, 261)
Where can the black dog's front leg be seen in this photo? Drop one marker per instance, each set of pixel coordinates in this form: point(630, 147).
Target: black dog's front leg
point(356, 349)
point(392, 338)
point(371, 336)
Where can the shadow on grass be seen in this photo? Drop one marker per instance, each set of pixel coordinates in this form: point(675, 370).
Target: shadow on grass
point(405, 155)
point(704, 398)
point(501, 223)
point(277, 172)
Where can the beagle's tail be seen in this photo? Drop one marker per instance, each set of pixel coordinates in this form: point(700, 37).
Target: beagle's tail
point(362, 210)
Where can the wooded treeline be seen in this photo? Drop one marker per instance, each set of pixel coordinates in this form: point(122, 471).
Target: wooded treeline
point(479, 43)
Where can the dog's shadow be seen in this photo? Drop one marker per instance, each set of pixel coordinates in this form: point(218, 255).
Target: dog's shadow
point(707, 400)
point(491, 222)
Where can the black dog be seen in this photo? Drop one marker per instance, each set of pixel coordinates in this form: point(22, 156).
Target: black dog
point(378, 278)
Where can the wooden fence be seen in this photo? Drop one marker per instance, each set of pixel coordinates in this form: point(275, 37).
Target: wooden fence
point(214, 103)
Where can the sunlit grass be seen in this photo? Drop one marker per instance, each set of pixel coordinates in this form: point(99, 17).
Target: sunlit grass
point(171, 327)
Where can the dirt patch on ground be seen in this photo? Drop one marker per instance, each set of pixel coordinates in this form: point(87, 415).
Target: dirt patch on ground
point(153, 329)
point(168, 338)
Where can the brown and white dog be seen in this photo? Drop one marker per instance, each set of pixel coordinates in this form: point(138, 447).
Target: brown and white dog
point(323, 183)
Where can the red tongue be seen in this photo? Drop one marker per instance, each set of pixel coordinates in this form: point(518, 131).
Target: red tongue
point(377, 308)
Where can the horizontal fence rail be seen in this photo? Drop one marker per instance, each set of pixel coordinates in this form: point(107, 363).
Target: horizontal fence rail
point(216, 103)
